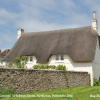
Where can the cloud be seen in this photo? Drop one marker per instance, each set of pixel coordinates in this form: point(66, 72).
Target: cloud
point(40, 16)
point(35, 14)
point(43, 15)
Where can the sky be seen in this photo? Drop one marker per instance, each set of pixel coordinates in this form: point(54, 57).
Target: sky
point(43, 15)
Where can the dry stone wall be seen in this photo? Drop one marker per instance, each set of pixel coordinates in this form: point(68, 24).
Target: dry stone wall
point(24, 80)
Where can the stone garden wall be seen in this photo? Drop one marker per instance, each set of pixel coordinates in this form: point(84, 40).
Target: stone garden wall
point(24, 80)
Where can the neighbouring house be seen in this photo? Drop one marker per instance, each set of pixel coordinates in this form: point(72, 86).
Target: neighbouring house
point(76, 48)
point(2, 56)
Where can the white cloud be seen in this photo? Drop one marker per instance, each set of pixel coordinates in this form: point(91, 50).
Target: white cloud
point(33, 13)
point(43, 15)
point(31, 17)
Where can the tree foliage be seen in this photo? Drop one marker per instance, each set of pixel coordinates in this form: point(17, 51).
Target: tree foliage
point(20, 62)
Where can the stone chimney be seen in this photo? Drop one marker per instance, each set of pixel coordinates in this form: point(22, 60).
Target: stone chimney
point(94, 22)
point(20, 32)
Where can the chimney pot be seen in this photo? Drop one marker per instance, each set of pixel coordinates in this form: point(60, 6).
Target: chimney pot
point(94, 22)
point(94, 15)
point(20, 32)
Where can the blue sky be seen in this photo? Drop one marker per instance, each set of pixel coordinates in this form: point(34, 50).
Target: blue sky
point(43, 15)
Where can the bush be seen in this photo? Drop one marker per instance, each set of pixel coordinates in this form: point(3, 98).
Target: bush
point(96, 82)
point(52, 67)
point(41, 66)
point(61, 67)
point(46, 66)
point(36, 66)
point(10, 64)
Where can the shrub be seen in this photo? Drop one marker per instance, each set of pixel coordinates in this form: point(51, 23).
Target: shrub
point(61, 67)
point(10, 64)
point(52, 66)
point(36, 66)
point(41, 66)
point(46, 66)
point(96, 82)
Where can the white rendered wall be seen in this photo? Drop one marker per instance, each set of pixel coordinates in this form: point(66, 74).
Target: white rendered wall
point(96, 62)
point(29, 64)
point(0, 64)
point(3, 64)
point(73, 66)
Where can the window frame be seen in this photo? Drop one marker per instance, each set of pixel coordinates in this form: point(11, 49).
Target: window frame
point(62, 57)
point(30, 58)
point(59, 57)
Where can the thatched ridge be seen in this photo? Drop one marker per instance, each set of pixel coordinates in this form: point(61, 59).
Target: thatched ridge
point(78, 43)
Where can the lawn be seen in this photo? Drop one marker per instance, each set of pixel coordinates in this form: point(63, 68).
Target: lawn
point(73, 93)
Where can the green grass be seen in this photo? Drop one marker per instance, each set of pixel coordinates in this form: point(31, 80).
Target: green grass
point(80, 92)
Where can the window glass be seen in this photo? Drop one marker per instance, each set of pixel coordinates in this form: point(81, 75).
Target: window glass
point(61, 57)
point(57, 57)
point(31, 58)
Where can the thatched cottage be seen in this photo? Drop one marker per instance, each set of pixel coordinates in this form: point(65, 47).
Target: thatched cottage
point(76, 48)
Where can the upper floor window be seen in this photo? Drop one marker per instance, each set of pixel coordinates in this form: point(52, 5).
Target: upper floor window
point(62, 57)
point(59, 57)
point(30, 58)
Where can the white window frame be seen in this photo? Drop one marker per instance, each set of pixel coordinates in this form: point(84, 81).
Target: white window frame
point(59, 57)
point(30, 59)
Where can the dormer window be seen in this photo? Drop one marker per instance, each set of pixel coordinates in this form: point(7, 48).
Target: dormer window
point(62, 57)
point(30, 59)
point(59, 57)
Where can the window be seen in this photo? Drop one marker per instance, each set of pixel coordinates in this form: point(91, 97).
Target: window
point(30, 58)
point(59, 57)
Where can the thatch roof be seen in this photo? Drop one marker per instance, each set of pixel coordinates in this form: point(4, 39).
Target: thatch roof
point(78, 43)
point(4, 53)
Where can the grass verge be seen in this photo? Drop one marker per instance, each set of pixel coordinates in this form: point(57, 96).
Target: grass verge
point(73, 93)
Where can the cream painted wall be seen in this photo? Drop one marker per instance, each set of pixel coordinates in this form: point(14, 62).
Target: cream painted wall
point(73, 66)
point(96, 62)
point(3, 64)
point(0, 64)
point(29, 64)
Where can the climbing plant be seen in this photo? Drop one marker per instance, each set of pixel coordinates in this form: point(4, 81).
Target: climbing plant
point(20, 62)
